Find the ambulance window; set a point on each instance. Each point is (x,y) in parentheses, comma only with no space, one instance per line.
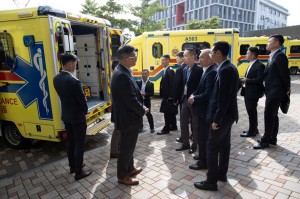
(157,50)
(244,49)
(115,43)
(196,46)
(7,53)
(295,49)
(262,49)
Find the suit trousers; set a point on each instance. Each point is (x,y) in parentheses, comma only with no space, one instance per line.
(185,119)
(76,137)
(218,151)
(115,140)
(271,119)
(128,141)
(202,134)
(251,107)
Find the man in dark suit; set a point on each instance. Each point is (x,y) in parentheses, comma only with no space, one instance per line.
(277,85)
(222,112)
(74,108)
(128,111)
(199,101)
(147,90)
(252,89)
(167,94)
(178,89)
(191,76)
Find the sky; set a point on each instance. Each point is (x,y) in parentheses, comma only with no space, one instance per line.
(75,6)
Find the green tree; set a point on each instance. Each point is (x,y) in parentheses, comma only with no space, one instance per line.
(145,12)
(211,23)
(90,7)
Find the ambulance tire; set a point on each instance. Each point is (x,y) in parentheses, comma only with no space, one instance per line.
(293,70)
(13,137)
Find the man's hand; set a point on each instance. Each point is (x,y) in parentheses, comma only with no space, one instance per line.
(243,80)
(215,126)
(191,99)
(146,111)
(143,94)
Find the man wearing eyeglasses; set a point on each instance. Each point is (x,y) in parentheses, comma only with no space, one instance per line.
(128,111)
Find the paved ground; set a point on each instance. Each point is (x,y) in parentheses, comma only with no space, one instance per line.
(270,173)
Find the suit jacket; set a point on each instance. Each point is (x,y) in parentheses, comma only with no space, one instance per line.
(149,91)
(167,84)
(178,89)
(73,101)
(254,87)
(126,98)
(277,77)
(223,100)
(193,81)
(203,92)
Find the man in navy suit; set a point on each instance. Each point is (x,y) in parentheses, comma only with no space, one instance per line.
(166,92)
(147,90)
(128,111)
(191,76)
(74,108)
(252,89)
(199,101)
(222,112)
(277,86)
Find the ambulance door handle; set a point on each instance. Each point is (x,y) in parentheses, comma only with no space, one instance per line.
(151,67)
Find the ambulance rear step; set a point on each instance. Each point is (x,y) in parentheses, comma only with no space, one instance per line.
(97,126)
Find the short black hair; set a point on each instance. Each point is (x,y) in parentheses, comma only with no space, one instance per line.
(254,50)
(146,70)
(191,51)
(114,64)
(67,57)
(166,56)
(278,38)
(180,54)
(222,46)
(125,50)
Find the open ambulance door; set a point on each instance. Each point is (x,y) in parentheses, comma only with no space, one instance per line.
(156,47)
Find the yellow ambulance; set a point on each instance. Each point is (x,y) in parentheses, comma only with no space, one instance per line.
(31,41)
(290,47)
(152,45)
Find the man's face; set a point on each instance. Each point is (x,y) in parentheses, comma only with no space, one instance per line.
(249,55)
(272,44)
(204,59)
(165,61)
(179,60)
(188,58)
(214,55)
(72,66)
(145,75)
(131,59)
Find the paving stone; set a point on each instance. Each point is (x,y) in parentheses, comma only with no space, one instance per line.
(256,184)
(292,186)
(269,175)
(50,195)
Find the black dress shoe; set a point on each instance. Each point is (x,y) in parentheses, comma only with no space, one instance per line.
(163,132)
(256,132)
(196,157)
(179,139)
(273,142)
(72,170)
(82,174)
(173,128)
(203,185)
(197,167)
(248,134)
(152,130)
(222,178)
(261,145)
(183,147)
(114,156)
(192,150)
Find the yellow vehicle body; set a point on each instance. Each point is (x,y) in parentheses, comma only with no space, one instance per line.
(290,47)
(152,45)
(31,41)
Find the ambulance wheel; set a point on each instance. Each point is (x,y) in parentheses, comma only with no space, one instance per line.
(293,70)
(13,137)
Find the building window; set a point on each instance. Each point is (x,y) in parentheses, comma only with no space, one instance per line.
(244,49)
(157,50)
(7,53)
(196,46)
